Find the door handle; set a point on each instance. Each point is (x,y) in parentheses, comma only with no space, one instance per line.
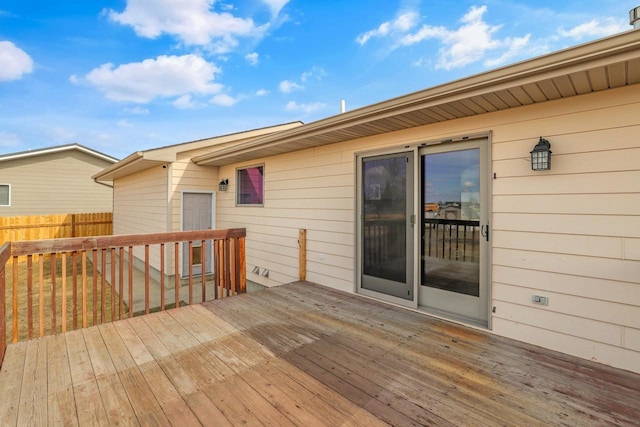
(484,231)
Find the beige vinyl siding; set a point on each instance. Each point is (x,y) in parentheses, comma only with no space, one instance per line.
(566,234)
(571,234)
(187,176)
(303,190)
(55,183)
(140,207)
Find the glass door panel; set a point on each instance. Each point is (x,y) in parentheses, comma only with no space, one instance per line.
(453,247)
(386,230)
(451,231)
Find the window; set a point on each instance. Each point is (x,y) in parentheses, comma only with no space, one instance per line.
(250,188)
(5,195)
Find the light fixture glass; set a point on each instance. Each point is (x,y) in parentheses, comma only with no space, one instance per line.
(541,156)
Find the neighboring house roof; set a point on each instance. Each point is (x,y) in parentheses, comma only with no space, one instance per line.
(142,160)
(57,149)
(608,63)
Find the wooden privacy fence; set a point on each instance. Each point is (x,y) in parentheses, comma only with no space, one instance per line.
(40,227)
(77,282)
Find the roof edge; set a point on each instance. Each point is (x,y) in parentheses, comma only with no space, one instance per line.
(132,158)
(57,149)
(558,60)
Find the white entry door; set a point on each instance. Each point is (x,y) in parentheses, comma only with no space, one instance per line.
(197,214)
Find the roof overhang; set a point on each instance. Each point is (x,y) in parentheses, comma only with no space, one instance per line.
(143,160)
(604,64)
(136,162)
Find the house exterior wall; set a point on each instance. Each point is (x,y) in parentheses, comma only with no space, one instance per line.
(140,207)
(55,183)
(571,234)
(187,176)
(151,201)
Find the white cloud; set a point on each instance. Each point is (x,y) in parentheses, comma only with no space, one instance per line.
(317,73)
(403,23)
(9,140)
(165,76)
(514,47)
(139,111)
(594,29)
(468,43)
(275,5)
(473,40)
(124,123)
(307,108)
(224,100)
(252,58)
(262,92)
(15,62)
(287,86)
(191,21)
(185,102)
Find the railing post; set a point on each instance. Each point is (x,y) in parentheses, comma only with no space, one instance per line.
(302,258)
(5,252)
(242,264)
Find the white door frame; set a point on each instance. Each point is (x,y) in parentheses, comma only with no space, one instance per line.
(213,225)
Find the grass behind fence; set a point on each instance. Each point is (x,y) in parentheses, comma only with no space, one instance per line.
(94,295)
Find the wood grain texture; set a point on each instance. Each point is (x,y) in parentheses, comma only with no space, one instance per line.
(302,355)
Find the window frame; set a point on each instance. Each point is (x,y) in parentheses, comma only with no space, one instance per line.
(238,186)
(9,195)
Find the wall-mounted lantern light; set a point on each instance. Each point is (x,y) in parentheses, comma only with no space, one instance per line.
(222,186)
(541,156)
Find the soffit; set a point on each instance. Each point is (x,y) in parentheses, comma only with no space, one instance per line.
(133,164)
(606,64)
(142,160)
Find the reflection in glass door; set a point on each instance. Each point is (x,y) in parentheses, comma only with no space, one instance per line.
(386,230)
(453,227)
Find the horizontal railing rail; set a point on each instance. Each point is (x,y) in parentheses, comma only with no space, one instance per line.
(60,284)
(454,239)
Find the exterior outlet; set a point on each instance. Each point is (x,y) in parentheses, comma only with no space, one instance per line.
(537,299)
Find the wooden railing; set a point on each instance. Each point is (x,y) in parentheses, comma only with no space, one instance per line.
(72,283)
(453,239)
(5,254)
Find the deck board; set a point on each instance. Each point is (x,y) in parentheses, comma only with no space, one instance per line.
(305,355)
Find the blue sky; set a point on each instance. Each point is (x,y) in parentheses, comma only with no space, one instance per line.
(127,75)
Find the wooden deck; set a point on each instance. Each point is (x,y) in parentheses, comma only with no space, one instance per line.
(302,354)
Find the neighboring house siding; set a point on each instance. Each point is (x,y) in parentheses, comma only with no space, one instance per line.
(571,234)
(55,183)
(140,207)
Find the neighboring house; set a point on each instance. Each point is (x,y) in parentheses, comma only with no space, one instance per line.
(549,257)
(54,180)
(161,190)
